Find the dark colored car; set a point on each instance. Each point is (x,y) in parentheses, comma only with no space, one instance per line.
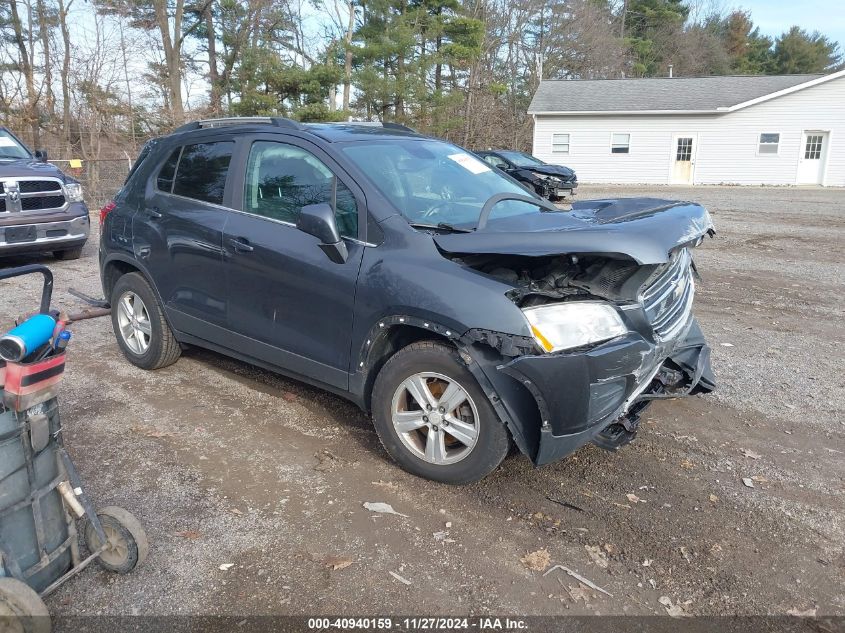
(41,209)
(548,181)
(406,275)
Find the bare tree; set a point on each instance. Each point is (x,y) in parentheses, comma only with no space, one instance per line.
(23,39)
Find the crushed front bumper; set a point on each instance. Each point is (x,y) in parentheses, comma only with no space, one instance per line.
(560,189)
(580,394)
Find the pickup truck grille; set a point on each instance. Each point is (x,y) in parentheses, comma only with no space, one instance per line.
(41,194)
(667,299)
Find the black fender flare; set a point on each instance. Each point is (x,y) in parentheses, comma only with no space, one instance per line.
(118,257)
(471,352)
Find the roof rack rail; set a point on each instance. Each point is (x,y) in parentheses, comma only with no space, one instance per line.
(396,126)
(238,120)
(388,125)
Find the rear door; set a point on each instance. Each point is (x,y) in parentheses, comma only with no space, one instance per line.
(178,234)
(290,305)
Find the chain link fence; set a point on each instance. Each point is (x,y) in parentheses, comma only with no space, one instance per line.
(101,179)
(112,155)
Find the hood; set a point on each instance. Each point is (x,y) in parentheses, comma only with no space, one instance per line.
(549,170)
(644,229)
(29,167)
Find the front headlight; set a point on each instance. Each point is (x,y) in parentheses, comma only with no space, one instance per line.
(73,192)
(560,326)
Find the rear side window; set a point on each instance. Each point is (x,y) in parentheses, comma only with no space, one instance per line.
(164,182)
(202,171)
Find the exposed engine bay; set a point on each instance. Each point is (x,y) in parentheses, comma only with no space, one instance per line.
(538,280)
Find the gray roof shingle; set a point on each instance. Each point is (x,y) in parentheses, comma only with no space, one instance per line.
(657,93)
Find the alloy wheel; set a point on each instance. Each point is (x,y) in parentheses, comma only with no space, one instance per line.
(134,322)
(435,418)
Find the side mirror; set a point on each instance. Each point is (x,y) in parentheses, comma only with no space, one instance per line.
(41,154)
(318,220)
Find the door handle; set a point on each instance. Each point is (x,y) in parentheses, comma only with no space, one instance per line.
(241,246)
(154,213)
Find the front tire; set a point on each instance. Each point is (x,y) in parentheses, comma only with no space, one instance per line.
(433,418)
(139,325)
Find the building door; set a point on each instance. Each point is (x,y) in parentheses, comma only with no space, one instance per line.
(811,160)
(683,159)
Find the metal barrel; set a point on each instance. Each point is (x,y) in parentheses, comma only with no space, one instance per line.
(33,523)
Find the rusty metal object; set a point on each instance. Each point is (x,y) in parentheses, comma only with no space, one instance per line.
(88,313)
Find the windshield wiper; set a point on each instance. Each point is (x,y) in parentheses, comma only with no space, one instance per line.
(442,226)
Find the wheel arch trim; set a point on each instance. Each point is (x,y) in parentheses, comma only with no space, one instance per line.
(145,273)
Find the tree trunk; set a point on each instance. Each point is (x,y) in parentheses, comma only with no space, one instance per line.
(624,17)
(26,70)
(172,44)
(438,43)
(400,88)
(63,11)
(347,66)
(438,67)
(213,77)
(128,85)
(44,33)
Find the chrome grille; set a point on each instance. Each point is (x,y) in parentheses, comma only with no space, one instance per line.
(31,194)
(667,299)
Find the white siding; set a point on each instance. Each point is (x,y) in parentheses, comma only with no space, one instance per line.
(726,150)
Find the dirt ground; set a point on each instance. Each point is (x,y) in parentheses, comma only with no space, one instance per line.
(228,464)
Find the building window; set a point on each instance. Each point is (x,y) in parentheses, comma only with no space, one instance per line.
(620,143)
(769,143)
(813,147)
(560,143)
(684,151)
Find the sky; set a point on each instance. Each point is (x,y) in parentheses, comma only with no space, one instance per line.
(776,16)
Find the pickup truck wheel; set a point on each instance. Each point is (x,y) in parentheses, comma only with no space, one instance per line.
(139,324)
(433,418)
(71,253)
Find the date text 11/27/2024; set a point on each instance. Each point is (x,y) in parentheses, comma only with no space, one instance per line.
(485,623)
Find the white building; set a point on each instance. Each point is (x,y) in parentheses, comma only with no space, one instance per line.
(774,130)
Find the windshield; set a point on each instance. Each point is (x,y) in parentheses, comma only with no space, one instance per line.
(10,148)
(521,159)
(432,182)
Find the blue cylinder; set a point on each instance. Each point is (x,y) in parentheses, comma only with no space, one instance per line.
(21,341)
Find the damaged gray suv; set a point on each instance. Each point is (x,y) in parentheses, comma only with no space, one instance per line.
(406,275)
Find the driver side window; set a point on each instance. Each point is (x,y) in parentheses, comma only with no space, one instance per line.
(496,161)
(281,179)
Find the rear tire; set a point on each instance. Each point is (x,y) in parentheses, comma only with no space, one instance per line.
(139,325)
(480,441)
(21,608)
(69,254)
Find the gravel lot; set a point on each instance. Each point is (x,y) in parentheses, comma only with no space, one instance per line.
(225,463)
